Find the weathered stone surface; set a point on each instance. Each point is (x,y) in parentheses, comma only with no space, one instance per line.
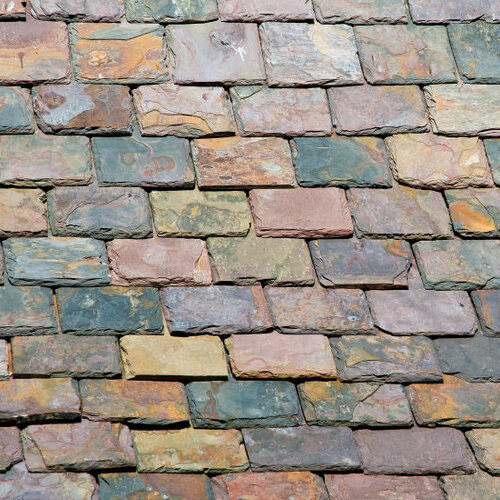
(341,161)
(310,54)
(134,401)
(422,312)
(34,51)
(171,11)
(80,10)
(66,356)
(24,400)
(159,262)
(301,212)
(273,355)
(169,109)
(475,212)
(200,214)
(317,310)
(79,446)
(487,303)
(243,162)
(459,265)
(266,111)
(216,309)
(113,310)
(414,451)
(378,110)
(43,160)
(143,161)
(190,450)
(493,151)
(456,402)
(4,360)
(22,212)
(486,446)
(118,53)
(215,53)
(353,262)
(464,109)
(430,11)
(195,357)
(15,111)
(245,261)
(10,444)
(12,9)
(83,108)
(234,404)
(366,12)
(262,10)
(299,448)
(383,357)
(476,487)
(336,403)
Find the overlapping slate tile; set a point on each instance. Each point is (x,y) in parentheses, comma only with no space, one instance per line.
(10,444)
(486,445)
(366,12)
(367,404)
(430,12)
(215,309)
(12,9)
(15,111)
(487,303)
(215,52)
(22,212)
(479,485)
(80,10)
(261,10)
(4,360)
(309,54)
(171,11)
(493,151)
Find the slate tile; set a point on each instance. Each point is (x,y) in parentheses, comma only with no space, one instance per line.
(79,446)
(321,55)
(10,443)
(12,9)
(171,11)
(367,12)
(22,212)
(479,485)
(456,403)
(4,360)
(111,310)
(233,162)
(16,116)
(367,404)
(430,11)
(487,304)
(378,110)
(260,10)
(414,451)
(485,444)
(78,10)
(215,309)
(215,53)
(66,356)
(298,448)
(493,151)
(232,404)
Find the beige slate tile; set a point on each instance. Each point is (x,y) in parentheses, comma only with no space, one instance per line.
(486,446)
(4,360)
(479,485)
(22,212)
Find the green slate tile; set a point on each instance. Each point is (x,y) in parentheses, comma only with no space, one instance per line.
(16,116)
(493,151)
(171,10)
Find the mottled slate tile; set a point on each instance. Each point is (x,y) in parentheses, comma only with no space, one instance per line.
(487,304)
(215,52)
(477,486)
(486,445)
(430,11)
(16,115)
(22,212)
(12,9)
(215,309)
(367,404)
(309,54)
(366,12)
(4,360)
(171,11)
(10,444)
(492,147)
(78,10)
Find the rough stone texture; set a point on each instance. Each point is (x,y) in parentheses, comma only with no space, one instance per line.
(81,10)
(234,404)
(341,161)
(458,265)
(65,356)
(24,400)
(487,303)
(301,212)
(83,109)
(422,312)
(216,309)
(33,52)
(356,263)
(4,360)
(134,401)
(296,448)
(79,446)
(266,111)
(109,310)
(390,359)
(15,111)
(118,53)
(317,310)
(366,12)
(159,262)
(10,444)
(262,10)
(464,109)
(336,403)
(273,355)
(243,162)
(437,162)
(414,451)
(22,212)
(12,9)
(486,446)
(476,487)
(190,450)
(169,109)
(493,151)
(171,11)
(475,212)
(430,11)
(42,160)
(215,53)
(378,110)
(400,212)
(456,402)
(143,161)
(200,214)
(309,54)
(170,357)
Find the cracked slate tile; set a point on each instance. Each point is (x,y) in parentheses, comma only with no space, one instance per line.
(78,10)
(366,12)
(171,11)
(16,115)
